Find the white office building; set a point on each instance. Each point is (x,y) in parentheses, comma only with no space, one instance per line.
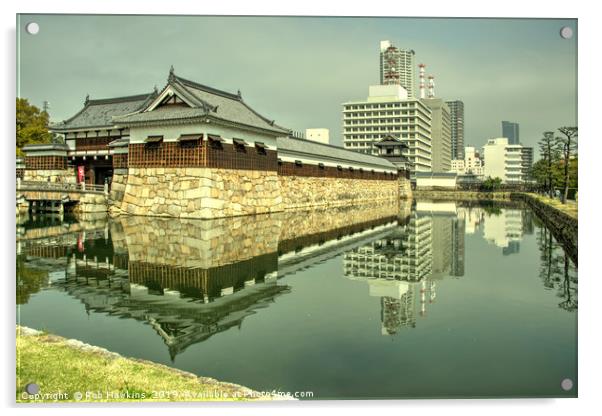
(503,160)
(318,135)
(389,110)
(472,164)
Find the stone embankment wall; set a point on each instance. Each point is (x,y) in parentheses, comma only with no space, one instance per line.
(117,192)
(306,192)
(405,188)
(55,175)
(207,193)
(91,204)
(563,227)
(199,192)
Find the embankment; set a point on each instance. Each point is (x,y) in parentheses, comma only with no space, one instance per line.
(68,370)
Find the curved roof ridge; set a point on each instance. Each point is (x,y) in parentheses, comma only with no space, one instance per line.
(350,155)
(199,101)
(334,146)
(126,98)
(206,88)
(267,120)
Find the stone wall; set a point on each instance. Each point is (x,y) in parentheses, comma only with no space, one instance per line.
(200,192)
(118,184)
(563,226)
(405,187)
(306,192)
(55,175)
(91,204)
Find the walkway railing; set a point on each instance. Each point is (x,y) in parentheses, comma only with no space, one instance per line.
(61,187)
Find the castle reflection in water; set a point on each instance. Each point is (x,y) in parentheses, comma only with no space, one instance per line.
(192,279)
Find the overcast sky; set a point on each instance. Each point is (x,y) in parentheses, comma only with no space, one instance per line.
(299,71)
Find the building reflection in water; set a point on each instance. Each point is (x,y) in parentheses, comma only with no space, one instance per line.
(403,267)
(192,279)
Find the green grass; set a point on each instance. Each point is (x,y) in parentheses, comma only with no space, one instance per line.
(57,367)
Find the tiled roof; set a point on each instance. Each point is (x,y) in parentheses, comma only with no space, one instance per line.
(204,101)
(310,148)
(435,174)
(100,113)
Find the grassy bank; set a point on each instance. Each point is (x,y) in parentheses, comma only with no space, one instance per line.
(64,369)
(570,208)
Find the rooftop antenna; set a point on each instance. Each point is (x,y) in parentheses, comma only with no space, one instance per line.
(431,87)
(422,84)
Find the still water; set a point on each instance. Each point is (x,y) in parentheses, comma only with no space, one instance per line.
(426,300)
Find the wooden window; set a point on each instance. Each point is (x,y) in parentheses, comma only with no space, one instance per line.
(261,148)
(215,142)
(240,145)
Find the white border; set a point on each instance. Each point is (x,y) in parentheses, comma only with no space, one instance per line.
(590,148)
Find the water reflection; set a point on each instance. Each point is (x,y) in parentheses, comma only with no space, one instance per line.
(190,280)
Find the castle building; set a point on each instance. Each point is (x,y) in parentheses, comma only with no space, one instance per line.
(194,151)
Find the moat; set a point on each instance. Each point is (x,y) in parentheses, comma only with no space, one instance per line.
(432,299)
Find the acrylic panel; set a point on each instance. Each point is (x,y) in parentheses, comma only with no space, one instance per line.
(306,208)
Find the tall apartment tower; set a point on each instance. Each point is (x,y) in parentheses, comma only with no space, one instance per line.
(456,116)
(510,131)
(397,67)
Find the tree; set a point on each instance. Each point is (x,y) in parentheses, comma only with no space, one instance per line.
(567,145)
(549,155)
(32,125)
(492,184)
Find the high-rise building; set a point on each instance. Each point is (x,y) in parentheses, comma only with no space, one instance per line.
(397,67)
(456,118)
(389,111)
(440,134)
(527,159)
(510,131)
(503,160)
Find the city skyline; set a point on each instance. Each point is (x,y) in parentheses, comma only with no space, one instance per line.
(302,76)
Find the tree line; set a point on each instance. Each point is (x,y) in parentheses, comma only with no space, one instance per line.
(557,168)
(32,125)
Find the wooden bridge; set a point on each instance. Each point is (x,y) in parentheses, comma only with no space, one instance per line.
(56,197)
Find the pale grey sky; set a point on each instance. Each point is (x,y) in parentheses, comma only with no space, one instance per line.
(300,70)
